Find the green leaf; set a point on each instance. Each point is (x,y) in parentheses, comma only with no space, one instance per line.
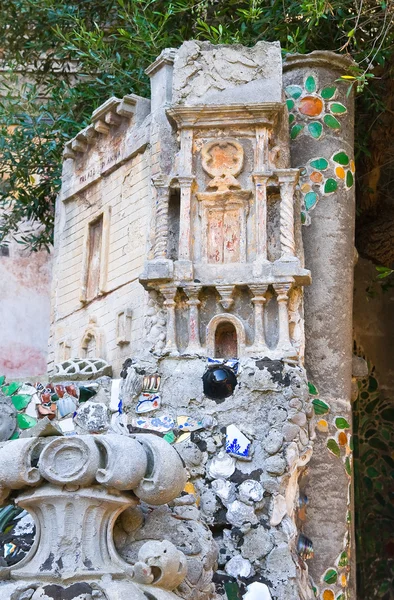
(330,186)
(310,84)
(341,423)
(320,164)
(341,158)
(294,91)
(337,108)
(328,92)
(321,408)
(315,129)
(2,379)
(310,200)
(330,576)
(343,560)
(295,130)
(348,467)
(312,389)
(332,445)
(331,122)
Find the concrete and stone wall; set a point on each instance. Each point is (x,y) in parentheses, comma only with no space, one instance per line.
(24,311)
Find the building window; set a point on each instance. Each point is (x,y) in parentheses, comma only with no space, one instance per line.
(95,258)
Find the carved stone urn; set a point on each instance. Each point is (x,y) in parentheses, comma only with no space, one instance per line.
(75,488)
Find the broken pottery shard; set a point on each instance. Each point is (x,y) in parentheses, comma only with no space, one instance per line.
(115,388)
(66,406)
(148,402)
(237,444)
(257,591)
(67,426)
(188,424)
(238,567)
(119,424)
(162,424)
(221,466)
(92,417)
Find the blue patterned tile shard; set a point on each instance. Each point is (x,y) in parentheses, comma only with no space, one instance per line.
(237,444)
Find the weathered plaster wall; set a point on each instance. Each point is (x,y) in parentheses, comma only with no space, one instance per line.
(24,312)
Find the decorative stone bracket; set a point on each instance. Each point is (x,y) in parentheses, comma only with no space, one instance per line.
(75,488)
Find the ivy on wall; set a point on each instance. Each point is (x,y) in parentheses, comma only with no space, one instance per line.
(373,422)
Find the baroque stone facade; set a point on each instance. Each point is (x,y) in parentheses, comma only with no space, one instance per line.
(179,270)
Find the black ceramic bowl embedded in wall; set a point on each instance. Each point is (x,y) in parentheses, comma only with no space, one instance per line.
(219,382)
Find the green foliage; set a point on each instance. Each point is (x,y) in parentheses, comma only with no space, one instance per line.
(64,58)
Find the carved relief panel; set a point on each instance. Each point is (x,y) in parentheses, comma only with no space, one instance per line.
(224,207)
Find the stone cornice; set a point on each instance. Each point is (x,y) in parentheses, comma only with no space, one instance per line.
(226,114)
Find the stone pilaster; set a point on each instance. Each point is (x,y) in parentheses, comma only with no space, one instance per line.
(259,300)
(284,347)
(194,344)
(169,302)
(161,230)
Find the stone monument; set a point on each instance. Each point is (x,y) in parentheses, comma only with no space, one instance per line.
(180,271)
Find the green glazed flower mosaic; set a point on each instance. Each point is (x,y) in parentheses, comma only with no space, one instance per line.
(312,111)
(373,422)
(322,177)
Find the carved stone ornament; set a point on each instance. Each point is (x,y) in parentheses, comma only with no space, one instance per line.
(75,488)
(82,368)
(223,160)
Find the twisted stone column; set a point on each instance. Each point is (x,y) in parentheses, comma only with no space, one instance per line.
(287,179)
(185,183)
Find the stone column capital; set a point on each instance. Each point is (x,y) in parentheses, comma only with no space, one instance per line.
(289,176)
(160,181)
(258,290)
(185,181)
(169,293)
(282,290)
(192,292)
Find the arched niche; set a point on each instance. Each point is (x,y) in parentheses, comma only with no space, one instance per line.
(224,332)
(92,343)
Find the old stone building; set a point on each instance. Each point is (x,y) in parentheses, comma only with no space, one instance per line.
(180,268)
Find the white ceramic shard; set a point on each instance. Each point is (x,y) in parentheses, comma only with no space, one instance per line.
(163,423)
(147,402)
(257,591)
(237,444)
(251,491)
(115,388)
